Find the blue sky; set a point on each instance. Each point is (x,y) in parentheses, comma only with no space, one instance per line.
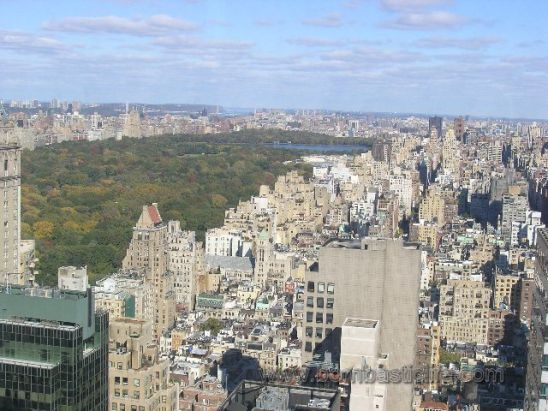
(476,57)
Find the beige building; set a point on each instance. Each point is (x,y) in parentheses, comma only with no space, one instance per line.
(507,290)
(138,379)
(464,311)
(10,216)
(148,251)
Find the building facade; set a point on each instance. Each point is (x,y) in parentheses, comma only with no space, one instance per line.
(53,352)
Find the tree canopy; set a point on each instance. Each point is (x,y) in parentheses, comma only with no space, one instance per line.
(80,200)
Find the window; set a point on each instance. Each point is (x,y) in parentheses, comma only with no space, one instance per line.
(319,318)
(114,406)
(133,408)
(122,407)
(321,287)
(5,165)
(309,331)
(137,382)
(330,302)
(319,332)
(124,381)
(310,301)
(309,316)
(116,380)
(319,302)
(136,395)
(310,287)
(330,288)
(116,392)
(329,318)
(308,346)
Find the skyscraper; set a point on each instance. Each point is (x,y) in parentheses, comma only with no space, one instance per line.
(147,252)
(53,350)
(435,123)
(377,280)
(10,217)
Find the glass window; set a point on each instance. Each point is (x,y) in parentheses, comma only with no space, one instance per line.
(117,392)
(137,382)
(114,406)
(310,301)
(330,288)
(321,287)
(319,302)
(319,332)
(319,318)
(310,287)
(329,318)
(308,346)
(330,302)
(116,380)
(309,316)
(124,381)
(309,331)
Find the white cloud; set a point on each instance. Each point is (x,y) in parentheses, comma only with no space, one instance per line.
(151,26)
(330,21)
(19,41)
(471,43)
(427,20)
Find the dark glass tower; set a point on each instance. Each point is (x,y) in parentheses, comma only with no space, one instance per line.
(53,351)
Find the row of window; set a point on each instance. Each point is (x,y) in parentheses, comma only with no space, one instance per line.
(319,332)
(124,381)
(321,287)
(319,318)
(320,302)
(122,407)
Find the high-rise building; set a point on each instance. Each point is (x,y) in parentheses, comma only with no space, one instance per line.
(435,123)
(10,217)
(53,350)
(147,251)
(459,126)
(536,381)
(375,279)
(138,379)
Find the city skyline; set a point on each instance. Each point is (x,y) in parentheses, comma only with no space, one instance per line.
(415,56)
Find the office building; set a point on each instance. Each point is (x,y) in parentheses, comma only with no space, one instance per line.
(377,279)
(435,124)
(53,350)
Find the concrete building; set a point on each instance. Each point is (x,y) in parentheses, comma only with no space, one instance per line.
(56,340)
(361,351)
(138,379)
(536,382)
(375,278)
(72,278)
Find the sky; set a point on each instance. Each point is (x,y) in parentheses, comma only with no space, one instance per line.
(455,57)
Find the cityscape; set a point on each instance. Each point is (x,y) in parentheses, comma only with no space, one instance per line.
(234,248)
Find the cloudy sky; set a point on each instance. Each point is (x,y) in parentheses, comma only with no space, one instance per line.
(476,57)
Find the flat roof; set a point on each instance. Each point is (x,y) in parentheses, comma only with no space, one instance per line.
(360,322)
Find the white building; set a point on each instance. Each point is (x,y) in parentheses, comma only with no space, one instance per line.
(72,278)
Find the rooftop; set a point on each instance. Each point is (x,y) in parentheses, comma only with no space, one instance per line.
(360,322)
